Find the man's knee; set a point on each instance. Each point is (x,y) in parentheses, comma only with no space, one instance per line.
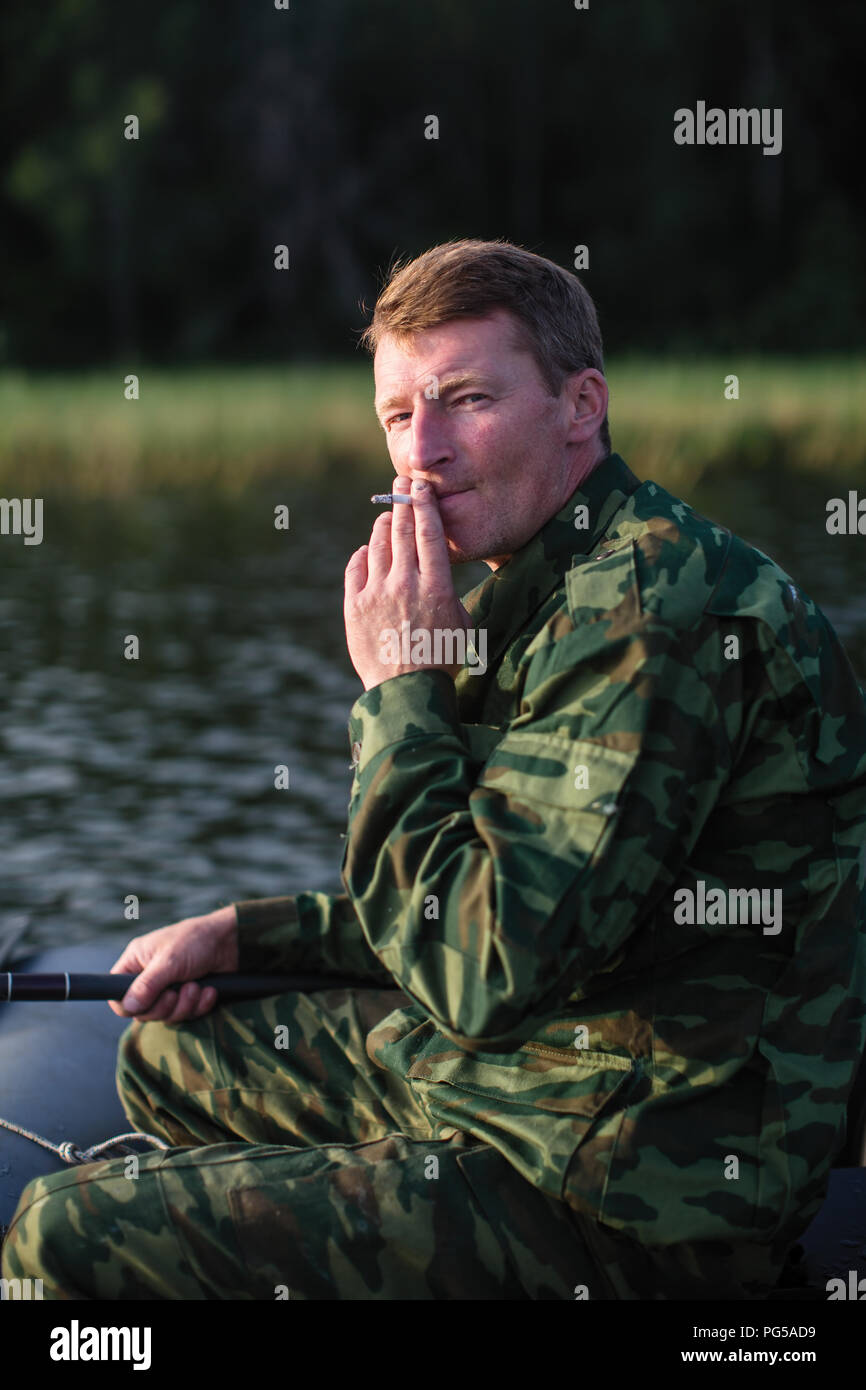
(44,1234)
(19,1243)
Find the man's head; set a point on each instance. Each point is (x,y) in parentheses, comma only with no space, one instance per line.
(489,384)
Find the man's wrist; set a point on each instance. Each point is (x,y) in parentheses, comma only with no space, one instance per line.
(223,923)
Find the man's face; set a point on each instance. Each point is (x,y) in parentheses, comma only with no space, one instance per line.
(469,413)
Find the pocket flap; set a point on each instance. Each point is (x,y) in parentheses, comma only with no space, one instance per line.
(527,1078)
(573,774)
(536,1111)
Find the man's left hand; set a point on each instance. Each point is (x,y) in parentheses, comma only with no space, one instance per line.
(402,575)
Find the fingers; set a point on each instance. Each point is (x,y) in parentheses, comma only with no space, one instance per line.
(167,963)
(391,545)
(429,536)
(172,1005)
(142,996)
(157,1008)
(356,573)
(192,1002)
(403,555)
(163,1006)
(370,564)
(149,997)
(379,548)
(209,998)
(128,963)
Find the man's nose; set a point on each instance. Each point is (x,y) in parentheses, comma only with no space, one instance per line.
(429,441)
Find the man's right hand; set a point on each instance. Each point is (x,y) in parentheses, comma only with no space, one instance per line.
(183,951)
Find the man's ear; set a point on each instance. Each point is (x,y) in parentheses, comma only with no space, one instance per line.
(588,396)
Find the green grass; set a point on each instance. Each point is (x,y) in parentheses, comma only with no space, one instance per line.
(227,428)
(671,421)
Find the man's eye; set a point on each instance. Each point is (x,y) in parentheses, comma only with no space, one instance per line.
(458,400)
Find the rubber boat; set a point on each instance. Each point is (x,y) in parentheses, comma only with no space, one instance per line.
(57,1065)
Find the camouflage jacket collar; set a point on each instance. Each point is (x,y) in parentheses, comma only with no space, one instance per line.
(506,601)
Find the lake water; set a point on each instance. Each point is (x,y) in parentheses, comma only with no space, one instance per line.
(155,777)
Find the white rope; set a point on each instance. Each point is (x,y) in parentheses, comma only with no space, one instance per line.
(69,1153)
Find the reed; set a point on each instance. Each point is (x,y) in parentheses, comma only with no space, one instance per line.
(227,428)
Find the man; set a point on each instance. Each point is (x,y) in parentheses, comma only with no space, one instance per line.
(604,898)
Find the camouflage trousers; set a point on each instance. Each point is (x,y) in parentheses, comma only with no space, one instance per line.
(299,1169)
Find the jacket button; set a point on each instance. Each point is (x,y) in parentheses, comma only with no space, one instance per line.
(356,754)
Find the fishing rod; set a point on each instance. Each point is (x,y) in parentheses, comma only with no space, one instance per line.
(20,986)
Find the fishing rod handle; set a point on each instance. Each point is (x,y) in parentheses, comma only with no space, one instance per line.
(18,987)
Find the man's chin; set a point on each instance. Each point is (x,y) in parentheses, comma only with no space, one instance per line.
(457,555)
(472,552)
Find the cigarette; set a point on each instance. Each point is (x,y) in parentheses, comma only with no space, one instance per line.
(384,498)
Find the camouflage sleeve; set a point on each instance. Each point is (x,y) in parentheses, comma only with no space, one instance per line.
(314,932)
(492,890)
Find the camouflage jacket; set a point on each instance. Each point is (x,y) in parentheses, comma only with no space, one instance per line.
(665,718)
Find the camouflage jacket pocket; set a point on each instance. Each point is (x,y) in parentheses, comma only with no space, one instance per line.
(535,1105)
(566,790)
